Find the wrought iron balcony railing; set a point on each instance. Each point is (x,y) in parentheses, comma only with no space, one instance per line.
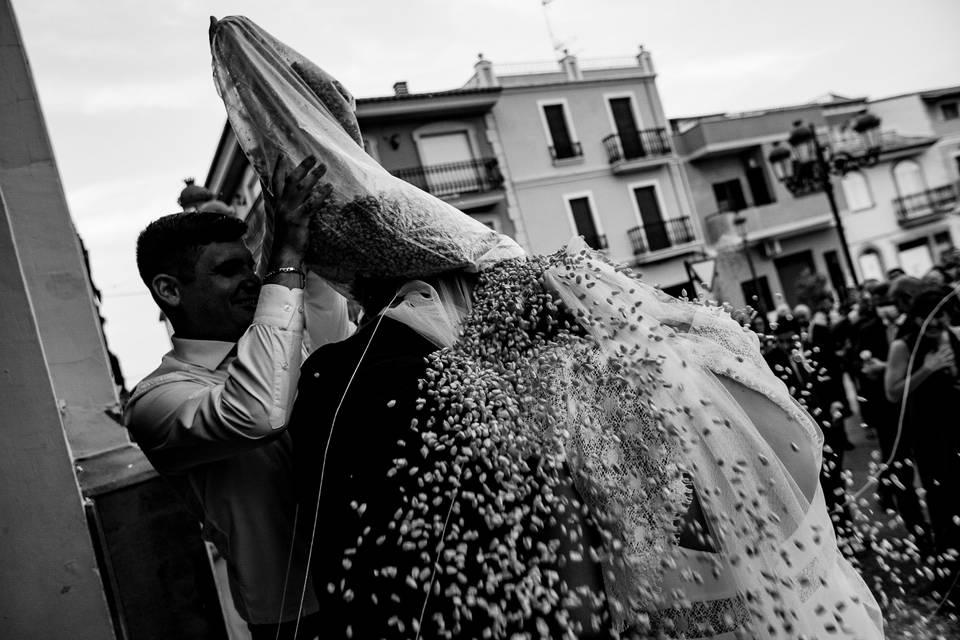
(565,152)
(925,203)
(646,143)
(661,235)
(469,176)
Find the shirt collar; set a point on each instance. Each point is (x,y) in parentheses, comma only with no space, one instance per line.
(205,353)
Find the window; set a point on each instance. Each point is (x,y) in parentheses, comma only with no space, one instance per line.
(682,290)
(908,178)
(583,221)
(447,162)
(562,140)
(856,191)
(757,181)
(949,111)
(491,222)
(729,195)
(656,230)
(370,146)
(792,270)
(871,265)
(915,257)
(625,124)
(756,293)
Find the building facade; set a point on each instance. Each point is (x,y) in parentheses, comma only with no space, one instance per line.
(900,209)
(586,151)
(780,236)
(765,238)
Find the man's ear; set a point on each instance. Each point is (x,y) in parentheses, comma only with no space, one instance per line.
(167,289)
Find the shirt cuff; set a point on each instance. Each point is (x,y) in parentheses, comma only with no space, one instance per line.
(280,307)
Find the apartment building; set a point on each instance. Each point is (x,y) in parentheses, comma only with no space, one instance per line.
(786,235)
(900,209)
(586,151)
(894,210)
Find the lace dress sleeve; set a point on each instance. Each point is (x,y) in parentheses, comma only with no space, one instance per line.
(627,468)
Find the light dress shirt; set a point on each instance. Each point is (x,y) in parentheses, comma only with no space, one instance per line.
(212,420)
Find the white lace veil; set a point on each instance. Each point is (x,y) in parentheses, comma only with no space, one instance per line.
(434,307)
(746,474)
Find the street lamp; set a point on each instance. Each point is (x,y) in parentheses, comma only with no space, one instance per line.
(741,223)
(808,166)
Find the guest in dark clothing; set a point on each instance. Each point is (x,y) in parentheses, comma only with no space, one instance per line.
(843,334)
(358,429)
(825,356)
(872,345)
(933,397)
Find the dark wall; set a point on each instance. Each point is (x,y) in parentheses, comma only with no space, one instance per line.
(159,579)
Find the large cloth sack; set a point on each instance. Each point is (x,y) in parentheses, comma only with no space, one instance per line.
(373,225)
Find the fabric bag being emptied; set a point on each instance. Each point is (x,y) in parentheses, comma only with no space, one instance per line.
(373,225)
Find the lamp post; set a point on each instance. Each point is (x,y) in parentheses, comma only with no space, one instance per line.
(808,166)
(741,223)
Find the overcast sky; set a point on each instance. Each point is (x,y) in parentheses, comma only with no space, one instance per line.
(131,107)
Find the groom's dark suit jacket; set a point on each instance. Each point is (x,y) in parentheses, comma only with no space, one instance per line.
(351,550)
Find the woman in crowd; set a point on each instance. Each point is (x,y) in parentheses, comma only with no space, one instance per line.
(870,344)
(922,373)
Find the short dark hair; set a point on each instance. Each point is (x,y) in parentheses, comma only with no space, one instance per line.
(927,300)
(172,244)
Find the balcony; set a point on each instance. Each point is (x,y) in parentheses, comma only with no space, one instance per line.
(455,179)
(565,154)
(636,151)
(923,206)
(666,234)
(893,145)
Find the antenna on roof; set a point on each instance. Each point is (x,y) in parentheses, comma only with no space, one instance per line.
(558,45)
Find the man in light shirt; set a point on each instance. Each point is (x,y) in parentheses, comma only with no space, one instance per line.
(212,417)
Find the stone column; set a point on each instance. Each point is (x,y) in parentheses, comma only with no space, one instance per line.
(50,584)
(51,260)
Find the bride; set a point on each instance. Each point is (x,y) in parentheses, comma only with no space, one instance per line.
(753,552)
(670,463)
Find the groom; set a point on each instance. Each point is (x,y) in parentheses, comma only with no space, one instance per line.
(355,415)
(212,417)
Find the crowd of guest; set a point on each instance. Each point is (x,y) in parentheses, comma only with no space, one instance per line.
(890,352)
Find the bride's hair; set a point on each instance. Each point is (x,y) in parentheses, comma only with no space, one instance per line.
(373,294)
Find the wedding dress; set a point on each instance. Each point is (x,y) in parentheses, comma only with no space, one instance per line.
(695,422)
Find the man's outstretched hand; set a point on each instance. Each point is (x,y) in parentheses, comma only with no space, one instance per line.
(292,198)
